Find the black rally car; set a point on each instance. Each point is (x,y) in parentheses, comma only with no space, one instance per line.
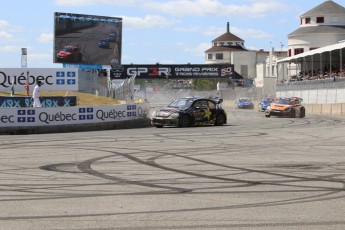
(190,111)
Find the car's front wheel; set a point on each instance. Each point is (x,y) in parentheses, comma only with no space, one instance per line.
(220,119)
(184,121)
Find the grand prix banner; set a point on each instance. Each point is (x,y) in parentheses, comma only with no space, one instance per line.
(52,79)
(174,71)
(12,117)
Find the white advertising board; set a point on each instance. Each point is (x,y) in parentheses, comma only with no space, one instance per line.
(54,79)
(13,117)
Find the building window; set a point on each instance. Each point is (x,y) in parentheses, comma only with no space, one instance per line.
(221,43)
(219,56)
(215,44)
(299,51)
(307,20)
(289,52)
(209,56)
(320,20)
(301,21)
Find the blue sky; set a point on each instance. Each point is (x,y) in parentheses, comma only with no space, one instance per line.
(168,32)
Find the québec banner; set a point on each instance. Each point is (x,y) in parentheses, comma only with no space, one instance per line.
(13,117)
(53,79)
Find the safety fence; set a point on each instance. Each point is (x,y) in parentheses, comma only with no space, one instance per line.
(327,91)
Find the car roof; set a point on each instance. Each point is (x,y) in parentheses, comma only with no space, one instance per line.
(194,98)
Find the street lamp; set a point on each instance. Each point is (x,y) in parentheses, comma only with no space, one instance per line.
(24,57)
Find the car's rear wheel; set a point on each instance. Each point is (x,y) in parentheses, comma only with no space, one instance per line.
(267,114)
(293,113)
(184,121)
(220,119)
(302,114)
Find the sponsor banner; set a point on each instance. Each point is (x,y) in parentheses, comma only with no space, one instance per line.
(82,66)
(12,117)
(52,79)
(173,71)
(53,101)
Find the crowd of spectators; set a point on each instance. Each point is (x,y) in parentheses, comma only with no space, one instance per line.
(323,74)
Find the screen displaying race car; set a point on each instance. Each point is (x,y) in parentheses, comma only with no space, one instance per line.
(190,111)
(96,39)
(69,54)
(286,107)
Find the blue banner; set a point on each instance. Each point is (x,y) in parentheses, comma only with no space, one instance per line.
(53,101)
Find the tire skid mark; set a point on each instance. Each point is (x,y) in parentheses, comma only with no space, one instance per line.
(86,167)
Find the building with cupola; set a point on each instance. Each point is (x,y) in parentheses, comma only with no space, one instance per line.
(249,64)
(229,48)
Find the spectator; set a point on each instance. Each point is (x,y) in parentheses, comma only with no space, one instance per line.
(36,95)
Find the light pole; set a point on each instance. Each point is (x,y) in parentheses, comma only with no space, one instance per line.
(24,65)
(24,57)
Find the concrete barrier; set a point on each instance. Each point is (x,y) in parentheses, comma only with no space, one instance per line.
(73,119)
(336,109)
(129,124)
(326,109)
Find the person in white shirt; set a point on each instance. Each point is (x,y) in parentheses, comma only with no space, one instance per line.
(36,95)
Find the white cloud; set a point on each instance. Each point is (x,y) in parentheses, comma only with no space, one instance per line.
(149,21)
(96,2)
(250,33)
(5,35)
(3,24)
(46,37)
(198,50)
(10,49)
(217,31)
(209,31)
(183,8)
(40,57)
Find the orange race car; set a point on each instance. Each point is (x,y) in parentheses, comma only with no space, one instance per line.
(286,107)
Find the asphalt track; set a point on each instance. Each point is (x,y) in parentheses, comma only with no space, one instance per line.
(253,173)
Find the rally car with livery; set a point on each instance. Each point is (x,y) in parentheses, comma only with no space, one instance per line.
(190,111)
(244,103)
(264,103)
(70,53)
(286,107)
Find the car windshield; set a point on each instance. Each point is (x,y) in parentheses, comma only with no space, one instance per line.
(68,49)
(284,101)
(268,100)
(182,103)
(244,100)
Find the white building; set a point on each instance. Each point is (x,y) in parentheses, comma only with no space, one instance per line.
(322,26)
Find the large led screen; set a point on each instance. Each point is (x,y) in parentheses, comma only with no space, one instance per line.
(87,39)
